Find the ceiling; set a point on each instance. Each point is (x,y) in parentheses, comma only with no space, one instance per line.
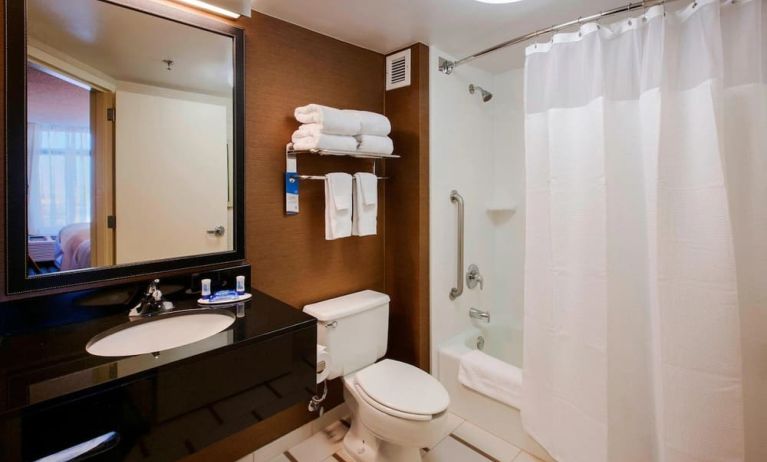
(131,46)
(457,27)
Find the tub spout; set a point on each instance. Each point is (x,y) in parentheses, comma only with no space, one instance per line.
(479,314)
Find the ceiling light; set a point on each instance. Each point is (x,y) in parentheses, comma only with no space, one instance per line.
(211,8)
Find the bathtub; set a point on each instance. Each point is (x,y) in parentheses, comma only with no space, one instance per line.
(493,416)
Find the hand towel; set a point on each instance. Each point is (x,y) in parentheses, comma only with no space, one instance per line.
(331,120)
(371,123)
(303,140)
(375,144)
(338,205)
(365,219)
(491,377)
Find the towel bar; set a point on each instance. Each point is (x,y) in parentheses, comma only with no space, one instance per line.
(292,176)
(322,178)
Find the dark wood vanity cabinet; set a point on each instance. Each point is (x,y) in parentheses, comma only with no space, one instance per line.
(266,364)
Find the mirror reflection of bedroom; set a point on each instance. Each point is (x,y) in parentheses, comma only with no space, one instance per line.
(129,138)
(64,147)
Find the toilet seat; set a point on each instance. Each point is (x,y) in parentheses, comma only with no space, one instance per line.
(401,390)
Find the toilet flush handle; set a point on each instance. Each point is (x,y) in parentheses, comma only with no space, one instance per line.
(329,324)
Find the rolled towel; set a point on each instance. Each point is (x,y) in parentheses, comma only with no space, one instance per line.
(371,123)
(375,144)
(304,141)
(332,121)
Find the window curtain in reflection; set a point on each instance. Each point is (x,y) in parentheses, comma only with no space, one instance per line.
(58,177)
(646,238)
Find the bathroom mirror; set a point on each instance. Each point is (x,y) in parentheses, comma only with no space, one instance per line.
(124,129)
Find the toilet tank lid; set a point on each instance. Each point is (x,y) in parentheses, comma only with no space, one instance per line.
(346,305)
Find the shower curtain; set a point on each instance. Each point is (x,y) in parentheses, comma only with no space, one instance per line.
(646,238)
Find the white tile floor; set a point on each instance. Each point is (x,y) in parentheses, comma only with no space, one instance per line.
(461,442)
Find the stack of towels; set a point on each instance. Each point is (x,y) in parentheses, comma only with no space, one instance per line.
(342,130)
(351,205)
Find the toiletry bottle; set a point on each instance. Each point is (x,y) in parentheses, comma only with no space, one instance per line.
(240,285)
(205,289)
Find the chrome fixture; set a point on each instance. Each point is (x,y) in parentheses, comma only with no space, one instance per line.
(151,303)
(480,315)
(218,231)
(456,292)
(486,95)
(473,277)
(447,67)
(480,343)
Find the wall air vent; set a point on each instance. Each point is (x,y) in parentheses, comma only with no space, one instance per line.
(398,70)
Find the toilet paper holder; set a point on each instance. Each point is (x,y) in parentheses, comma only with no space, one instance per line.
(316,401)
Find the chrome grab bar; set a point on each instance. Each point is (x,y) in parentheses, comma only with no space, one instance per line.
(456,292)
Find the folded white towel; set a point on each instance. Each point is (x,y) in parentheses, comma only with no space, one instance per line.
(303,140)
(365,220)
(375,144)
(491,377)
(331,120)
(371,123)
(338,205)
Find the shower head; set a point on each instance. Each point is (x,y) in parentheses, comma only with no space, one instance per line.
(486,95)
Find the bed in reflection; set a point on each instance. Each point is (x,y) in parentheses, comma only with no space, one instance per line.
(69,250)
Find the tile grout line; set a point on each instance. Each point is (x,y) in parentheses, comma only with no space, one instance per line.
(338,457)
(474,448)
(289,456)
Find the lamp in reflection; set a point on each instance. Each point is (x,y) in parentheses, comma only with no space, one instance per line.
(210,8)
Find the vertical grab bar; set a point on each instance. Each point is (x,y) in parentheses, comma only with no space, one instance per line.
(456,292)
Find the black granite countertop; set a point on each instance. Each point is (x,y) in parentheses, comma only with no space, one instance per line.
(51,362)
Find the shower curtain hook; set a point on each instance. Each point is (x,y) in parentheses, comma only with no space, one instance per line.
(628,11)
(580,32)
(644,14)
(599,19)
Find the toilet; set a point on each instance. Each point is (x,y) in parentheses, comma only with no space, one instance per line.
(397,409)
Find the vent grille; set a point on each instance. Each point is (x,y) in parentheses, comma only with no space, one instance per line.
(398,70)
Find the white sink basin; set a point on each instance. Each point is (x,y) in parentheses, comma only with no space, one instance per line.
(161,332)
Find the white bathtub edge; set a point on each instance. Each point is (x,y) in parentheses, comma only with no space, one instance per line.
(490,415)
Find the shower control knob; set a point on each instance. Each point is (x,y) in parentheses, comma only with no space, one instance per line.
(473,278)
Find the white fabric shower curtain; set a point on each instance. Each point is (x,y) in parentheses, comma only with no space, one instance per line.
(646,238)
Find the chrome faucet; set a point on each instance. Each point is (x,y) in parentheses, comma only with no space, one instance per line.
(151,303)
(479,314)
(473,277)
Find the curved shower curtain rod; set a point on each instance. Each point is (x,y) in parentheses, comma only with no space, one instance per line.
(447,67)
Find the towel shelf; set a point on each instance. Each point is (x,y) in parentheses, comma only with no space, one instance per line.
(291,170)
(329,152)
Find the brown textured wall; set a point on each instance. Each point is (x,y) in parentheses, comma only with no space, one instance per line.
(287,66)
(407,216)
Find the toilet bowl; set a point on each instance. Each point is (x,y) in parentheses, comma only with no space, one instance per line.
(397,408)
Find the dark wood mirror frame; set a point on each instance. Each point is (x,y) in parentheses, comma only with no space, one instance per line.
(16,158)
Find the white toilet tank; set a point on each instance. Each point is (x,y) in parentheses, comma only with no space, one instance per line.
(354,328)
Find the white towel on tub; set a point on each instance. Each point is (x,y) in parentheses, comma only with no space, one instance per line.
(491,377)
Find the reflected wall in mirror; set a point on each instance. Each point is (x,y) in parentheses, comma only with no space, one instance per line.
(130,134)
